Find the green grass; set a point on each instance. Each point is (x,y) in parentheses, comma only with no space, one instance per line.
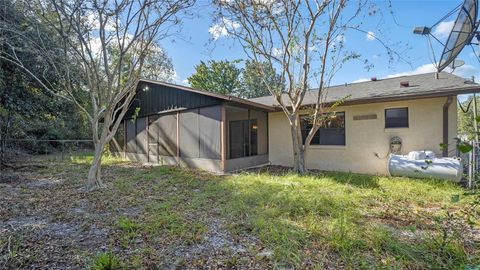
(353,216)
(106,261)
(319,220)
(357,219)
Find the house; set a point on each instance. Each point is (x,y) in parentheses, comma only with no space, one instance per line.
(172,124)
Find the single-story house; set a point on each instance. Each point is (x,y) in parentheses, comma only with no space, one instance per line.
(173,124)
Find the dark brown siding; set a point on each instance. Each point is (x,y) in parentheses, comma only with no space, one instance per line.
(161,98)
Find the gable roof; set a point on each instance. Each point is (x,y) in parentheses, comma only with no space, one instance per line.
(382,90)
(233,99)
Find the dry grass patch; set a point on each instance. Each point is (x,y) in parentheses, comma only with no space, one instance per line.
(168,217)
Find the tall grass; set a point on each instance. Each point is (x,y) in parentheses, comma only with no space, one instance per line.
(358,218)
(319,220)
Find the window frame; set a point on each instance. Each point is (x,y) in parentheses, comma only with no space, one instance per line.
(396,108)
(318,133)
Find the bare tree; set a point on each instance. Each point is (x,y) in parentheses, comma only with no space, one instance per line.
(103,47)
(304,41)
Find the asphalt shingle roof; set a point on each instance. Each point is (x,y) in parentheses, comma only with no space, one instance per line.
(420,86)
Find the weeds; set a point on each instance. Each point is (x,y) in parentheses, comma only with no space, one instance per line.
(129,229)
(9,252)
(323,220)
(333,212)
(106,261)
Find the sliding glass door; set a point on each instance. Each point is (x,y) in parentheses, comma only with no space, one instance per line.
(243,138)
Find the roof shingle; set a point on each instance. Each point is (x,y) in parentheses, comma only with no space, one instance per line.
(420,86)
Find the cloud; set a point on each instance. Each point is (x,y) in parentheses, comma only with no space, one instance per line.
(443,29)
(361,80)
(463,71)
(94,21)
(277,52)
(223,28)
(370,36)
(95,46)
(427,68)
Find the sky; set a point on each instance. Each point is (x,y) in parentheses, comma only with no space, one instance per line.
(195,43)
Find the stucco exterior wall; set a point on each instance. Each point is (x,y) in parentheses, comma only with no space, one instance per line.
(365,138)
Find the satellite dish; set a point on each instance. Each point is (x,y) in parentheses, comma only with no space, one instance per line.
(464,29)
(456,63)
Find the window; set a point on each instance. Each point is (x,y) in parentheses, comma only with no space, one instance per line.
(243,138)
(332,132)
(396,118)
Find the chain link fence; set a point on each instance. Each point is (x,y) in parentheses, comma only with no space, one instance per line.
(473,165)
(30,150)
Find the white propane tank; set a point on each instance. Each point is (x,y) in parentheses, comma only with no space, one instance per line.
(430,155)
(416,155)
(410,166)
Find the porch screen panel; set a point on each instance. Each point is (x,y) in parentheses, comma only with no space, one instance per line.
(153,135)
(189,134)
(209,130)
(131,135)
(167,135)
(119,138)
(142,136)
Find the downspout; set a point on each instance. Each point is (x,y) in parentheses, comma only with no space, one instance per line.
(445,125)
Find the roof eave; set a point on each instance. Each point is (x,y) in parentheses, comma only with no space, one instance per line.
(442,93)
(379,99)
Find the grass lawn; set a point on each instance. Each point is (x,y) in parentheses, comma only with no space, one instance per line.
(167,217)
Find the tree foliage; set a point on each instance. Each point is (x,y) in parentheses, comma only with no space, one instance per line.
(225,77)
(222,77)
(257,77)
(103,47)
(466,119)
(158,65)
(27,110)
(304,41)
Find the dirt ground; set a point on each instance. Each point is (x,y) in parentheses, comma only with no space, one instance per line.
(48,221)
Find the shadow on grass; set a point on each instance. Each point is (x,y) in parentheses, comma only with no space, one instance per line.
(357,180)
(300,217)
(316,219)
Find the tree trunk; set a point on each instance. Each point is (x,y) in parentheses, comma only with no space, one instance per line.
(94,174)
(298,149)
